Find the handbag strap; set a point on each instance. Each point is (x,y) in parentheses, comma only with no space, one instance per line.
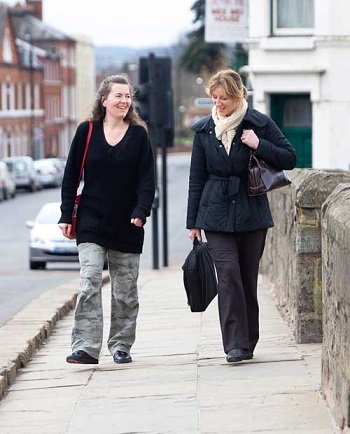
(253,160)
(88,137)
(250,158)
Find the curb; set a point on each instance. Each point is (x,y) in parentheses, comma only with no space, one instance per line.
(23,335)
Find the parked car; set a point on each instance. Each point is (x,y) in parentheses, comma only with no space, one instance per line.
(50,171)
(46,242)
(2,188)
(24,172)
(7,182)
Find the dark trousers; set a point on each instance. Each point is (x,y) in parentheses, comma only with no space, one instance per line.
(236,257)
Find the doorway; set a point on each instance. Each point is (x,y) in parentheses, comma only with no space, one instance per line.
(293,115)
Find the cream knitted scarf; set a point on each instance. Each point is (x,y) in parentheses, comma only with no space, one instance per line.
(225,126)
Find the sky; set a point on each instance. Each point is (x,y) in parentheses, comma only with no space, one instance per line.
(132,23)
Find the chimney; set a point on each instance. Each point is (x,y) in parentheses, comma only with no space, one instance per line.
(35,7)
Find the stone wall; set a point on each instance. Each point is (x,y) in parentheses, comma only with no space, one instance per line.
(336,303)
(292,260)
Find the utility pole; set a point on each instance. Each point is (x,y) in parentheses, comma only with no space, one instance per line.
(31,95)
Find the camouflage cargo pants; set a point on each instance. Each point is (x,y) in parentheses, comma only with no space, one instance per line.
(87,332)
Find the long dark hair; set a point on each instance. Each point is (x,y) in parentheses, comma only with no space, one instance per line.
(98,111)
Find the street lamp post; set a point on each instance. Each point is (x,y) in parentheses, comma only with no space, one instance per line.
(32,106)
(182,110)
(31,95)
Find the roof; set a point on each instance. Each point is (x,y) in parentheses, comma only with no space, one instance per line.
(3,14)
(28,27)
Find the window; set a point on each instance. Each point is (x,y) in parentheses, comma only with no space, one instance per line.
(293,17)
(297,112)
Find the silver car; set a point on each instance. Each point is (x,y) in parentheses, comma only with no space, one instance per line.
(24,172)
(50,171)
(46,242)
(7,182)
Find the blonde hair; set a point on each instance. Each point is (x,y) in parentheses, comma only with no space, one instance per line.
(231,83)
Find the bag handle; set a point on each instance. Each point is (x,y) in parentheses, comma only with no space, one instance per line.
(196,243)
(250,159)
(253,158)
(88,137)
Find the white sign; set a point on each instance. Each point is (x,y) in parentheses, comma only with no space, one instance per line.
(226,21)
(203,102)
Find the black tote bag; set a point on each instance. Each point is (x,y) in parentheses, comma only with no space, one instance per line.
(199,277)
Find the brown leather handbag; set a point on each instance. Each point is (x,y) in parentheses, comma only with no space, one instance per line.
(263,178)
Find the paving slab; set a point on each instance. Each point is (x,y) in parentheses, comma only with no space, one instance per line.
(179,381)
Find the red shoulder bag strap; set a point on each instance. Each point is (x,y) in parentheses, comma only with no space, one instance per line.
(85,152)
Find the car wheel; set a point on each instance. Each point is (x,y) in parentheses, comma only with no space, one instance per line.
(35,265)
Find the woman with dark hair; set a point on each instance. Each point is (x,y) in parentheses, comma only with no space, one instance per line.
(235,224)
(116,200)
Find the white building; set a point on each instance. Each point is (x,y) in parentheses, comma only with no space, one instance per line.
(299,69)
(86,76)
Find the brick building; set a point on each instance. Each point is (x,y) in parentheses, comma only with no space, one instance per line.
(37,84)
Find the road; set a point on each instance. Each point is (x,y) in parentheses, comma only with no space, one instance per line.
(19,285)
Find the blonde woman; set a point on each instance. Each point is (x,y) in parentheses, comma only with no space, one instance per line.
(235,224)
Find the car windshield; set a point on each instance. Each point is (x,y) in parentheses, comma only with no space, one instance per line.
(20,166)
(48,215)
(9,165)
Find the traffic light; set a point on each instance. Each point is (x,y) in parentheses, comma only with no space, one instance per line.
(142,101)
(161,97)
(155,105)
(143,91)
(154,95)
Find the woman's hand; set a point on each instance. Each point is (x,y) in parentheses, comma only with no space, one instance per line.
(250,139)
(137,222)
(66,229)
(195,233)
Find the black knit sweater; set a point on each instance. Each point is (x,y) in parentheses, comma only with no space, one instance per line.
(119,185)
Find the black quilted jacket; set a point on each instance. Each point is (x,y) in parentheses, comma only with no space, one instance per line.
(218,197)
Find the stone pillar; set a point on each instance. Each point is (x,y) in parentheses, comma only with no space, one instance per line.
(336,303)
(292,258)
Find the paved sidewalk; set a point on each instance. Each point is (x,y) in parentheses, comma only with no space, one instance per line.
(179,381)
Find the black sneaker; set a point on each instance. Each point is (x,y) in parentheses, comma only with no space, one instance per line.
(81,357)
(122,357)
